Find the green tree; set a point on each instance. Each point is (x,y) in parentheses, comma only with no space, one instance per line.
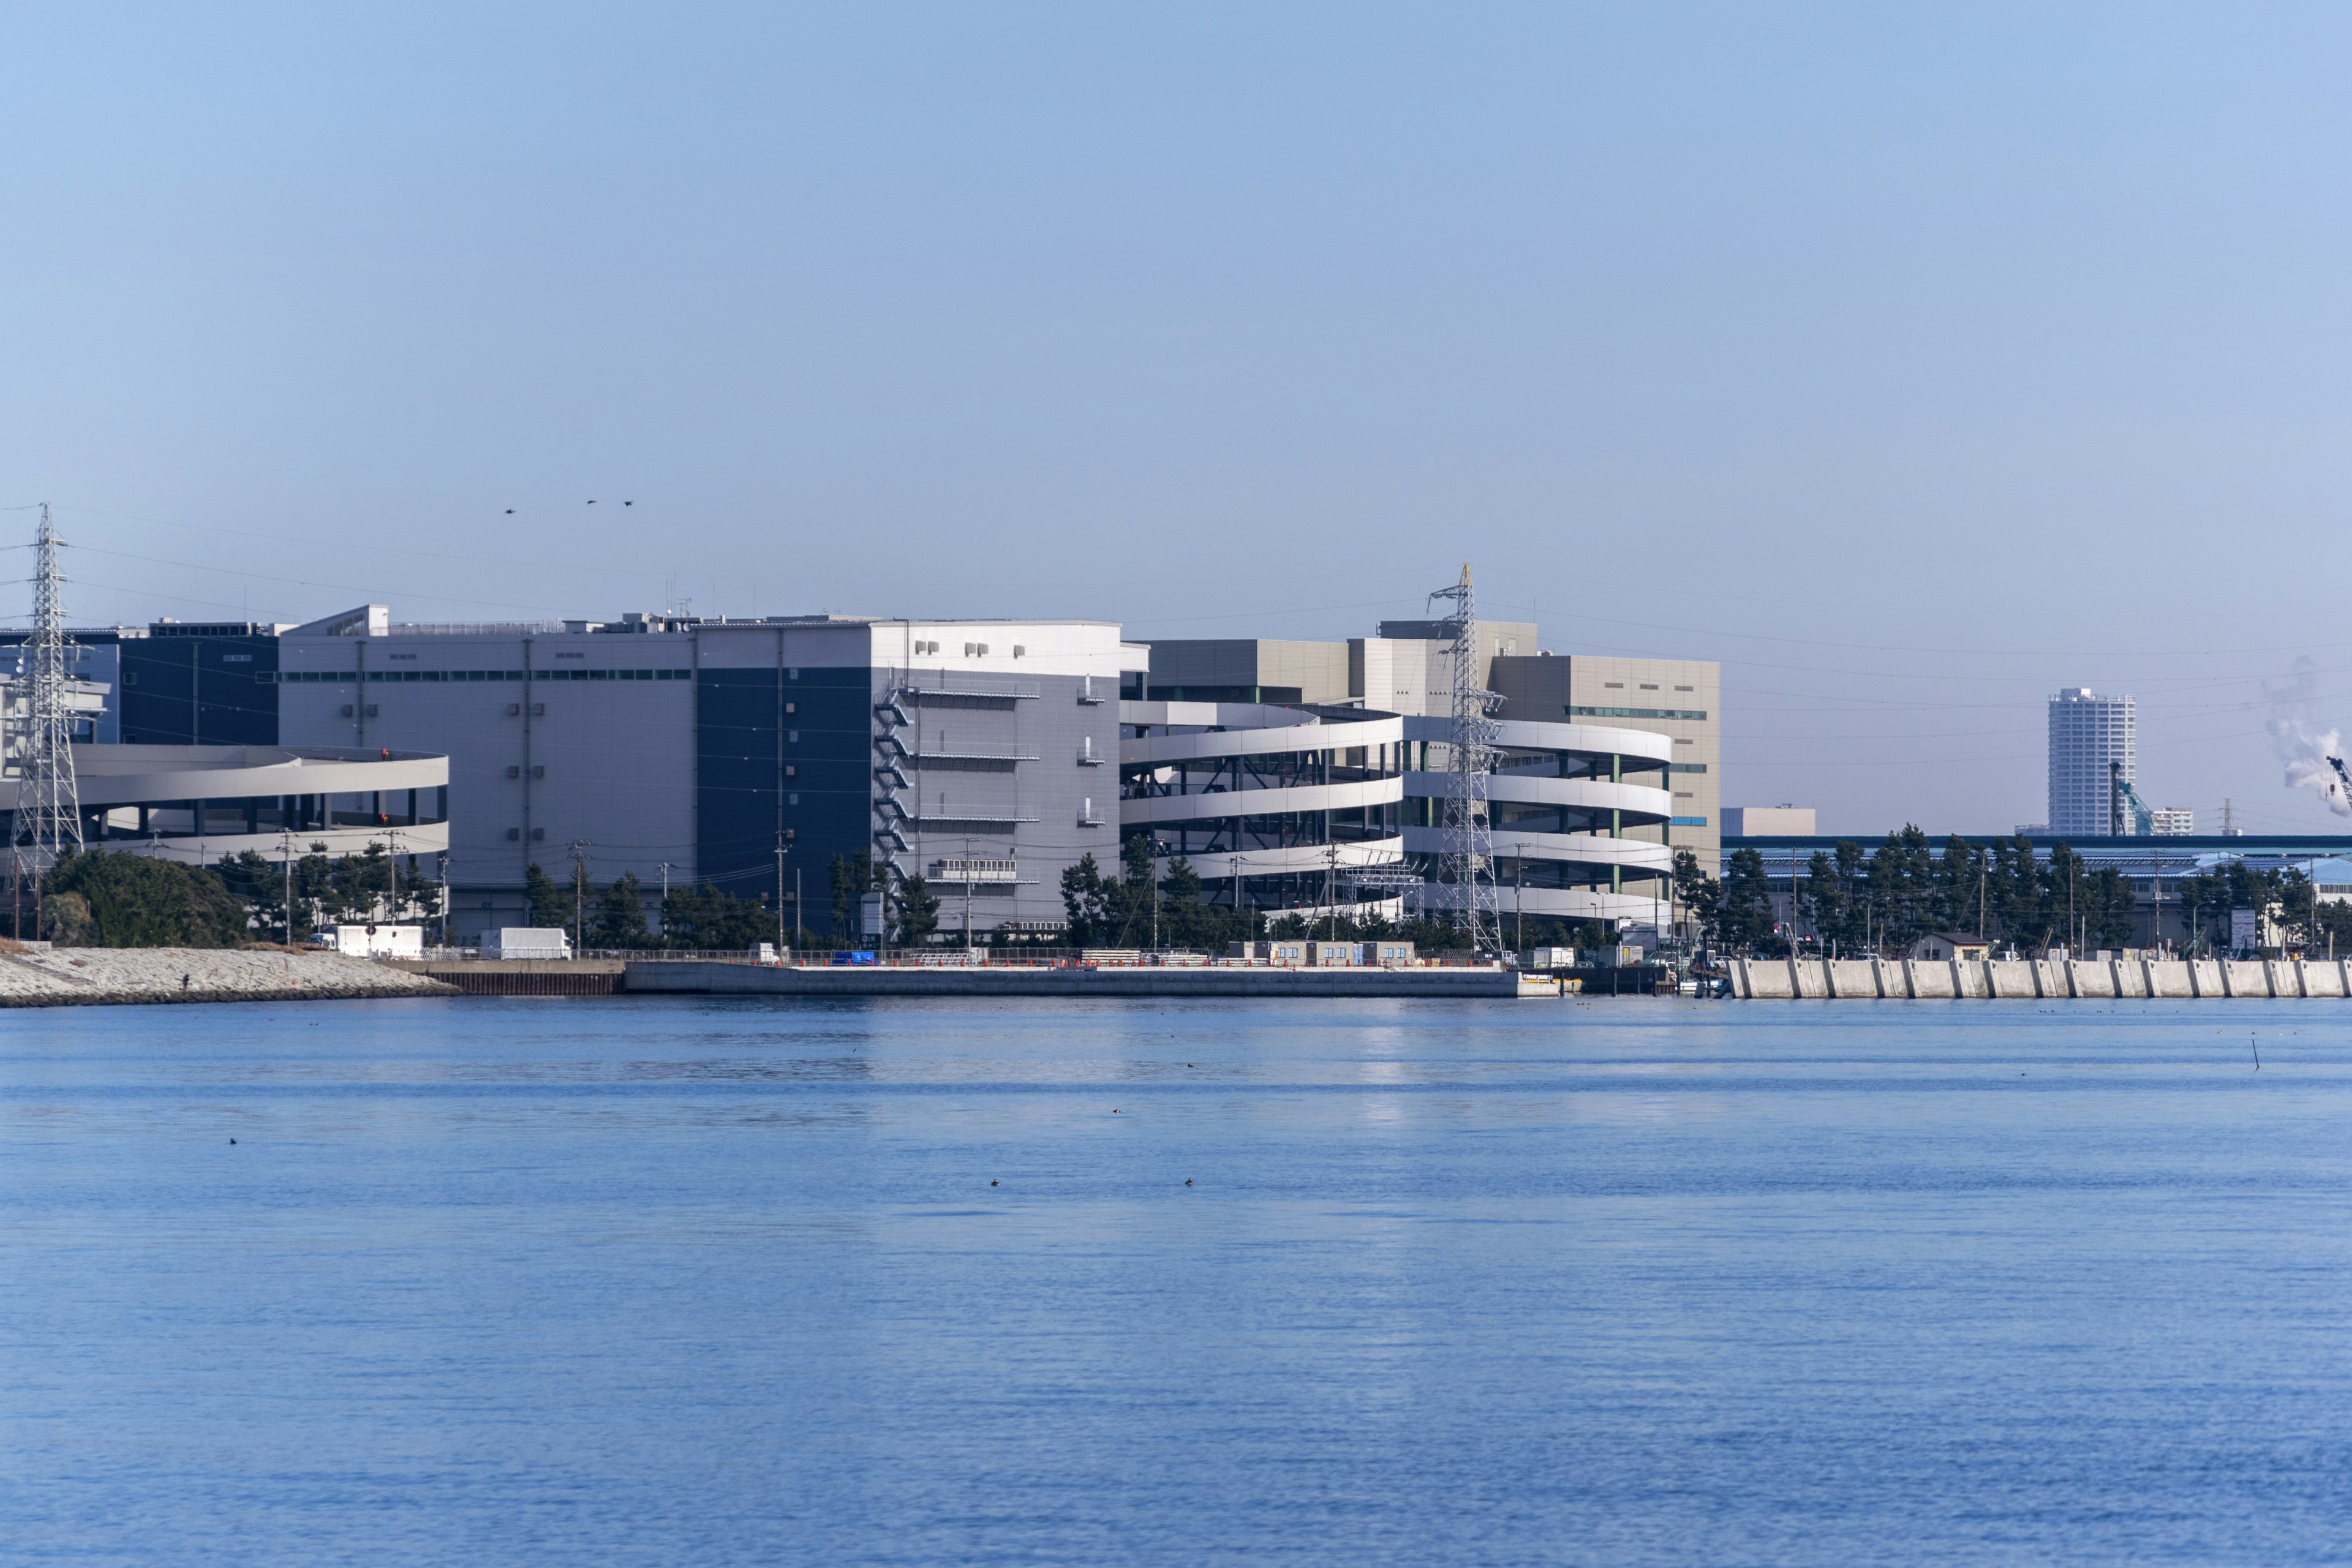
(67,920)
(1961,897)
(2111,918)
(704,919)
(1746,915)
(1137,896)
(550,906)
(852,876)
(1087,903)
(620,915)
(1836,896)
(2018,892)
(2199,896)
(1189,919)
(261,886)
(919,911)
(1901,891)
(2298,905)
(135,901)
(1701,894)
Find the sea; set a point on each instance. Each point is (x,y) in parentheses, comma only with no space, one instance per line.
(839,1282)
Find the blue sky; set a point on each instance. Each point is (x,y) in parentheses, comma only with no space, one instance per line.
(1912,362)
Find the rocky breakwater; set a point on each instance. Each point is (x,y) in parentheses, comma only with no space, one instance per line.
(88,976)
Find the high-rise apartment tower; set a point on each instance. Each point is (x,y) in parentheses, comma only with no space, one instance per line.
(2087,733)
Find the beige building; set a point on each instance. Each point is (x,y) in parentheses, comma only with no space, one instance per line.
(1679,698)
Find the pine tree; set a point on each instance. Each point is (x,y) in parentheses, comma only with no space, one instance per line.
(1086,902)
(620,915)
(550,906)
(919,911)
(1746,915)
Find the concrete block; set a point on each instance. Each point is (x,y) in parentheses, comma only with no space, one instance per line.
(1929,979)
(2284,979)
(1810,977)
(2127,977)
(1765,978)
(2322,977)
(2167,978)
(2091,977)
(1893,980)
(2205,978)
(1852,977)
(1971,978)
(2245,977)
(2049,978)
(2012,977)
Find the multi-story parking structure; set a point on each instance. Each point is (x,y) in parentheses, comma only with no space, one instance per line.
(1279,807)
(1568,808)
(1605,768)
(199,803)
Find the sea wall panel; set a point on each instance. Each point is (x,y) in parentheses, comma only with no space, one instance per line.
(2011,977)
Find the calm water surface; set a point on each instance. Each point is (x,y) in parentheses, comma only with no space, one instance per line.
(1633,1282)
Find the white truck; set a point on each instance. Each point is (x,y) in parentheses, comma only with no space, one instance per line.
(528,941)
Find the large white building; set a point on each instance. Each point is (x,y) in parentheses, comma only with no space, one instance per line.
(745,754)
(2087,733)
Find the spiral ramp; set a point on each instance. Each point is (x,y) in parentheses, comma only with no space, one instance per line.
(1286,801)
(1561,807)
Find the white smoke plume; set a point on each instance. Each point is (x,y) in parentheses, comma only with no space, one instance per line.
(2302,747)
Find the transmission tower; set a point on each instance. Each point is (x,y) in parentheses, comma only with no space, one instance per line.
(48,808)
(1467,860)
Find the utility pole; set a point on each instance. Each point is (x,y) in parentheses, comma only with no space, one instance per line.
(1331,887)
(579,897)
(782,946)
(1980,896)
(445,898)
(966,896)
(285,840)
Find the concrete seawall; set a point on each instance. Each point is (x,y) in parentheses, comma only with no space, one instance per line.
(758,979)
(2082,979)
(93,976)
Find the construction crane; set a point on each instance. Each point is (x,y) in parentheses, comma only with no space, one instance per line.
(2343,781)
(2120,795)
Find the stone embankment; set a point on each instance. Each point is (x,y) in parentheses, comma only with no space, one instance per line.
(84,976)
(2081,979)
